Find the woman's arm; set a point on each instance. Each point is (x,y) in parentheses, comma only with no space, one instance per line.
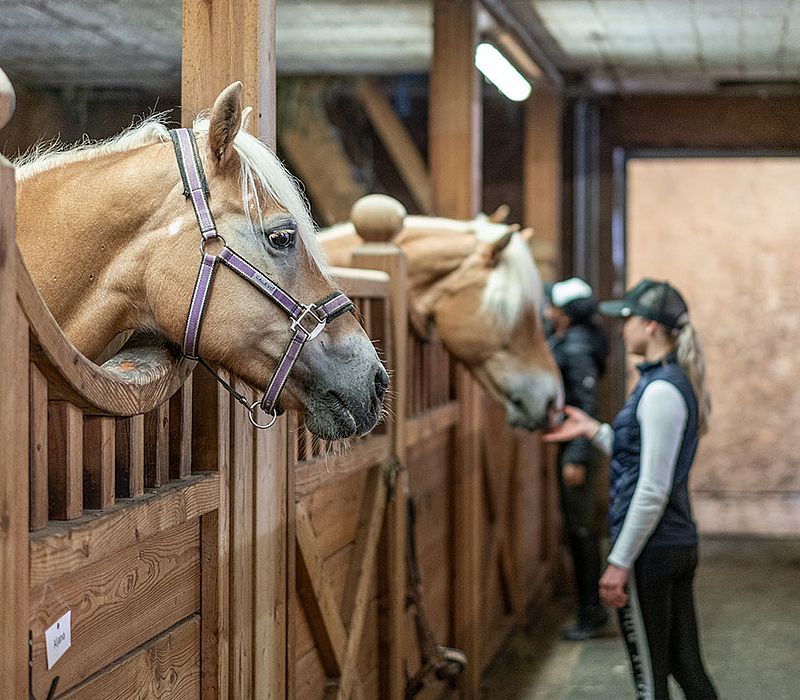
(662,415)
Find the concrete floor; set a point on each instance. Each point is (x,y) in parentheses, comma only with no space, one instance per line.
(748,598)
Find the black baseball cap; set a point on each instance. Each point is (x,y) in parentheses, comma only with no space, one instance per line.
(653,300)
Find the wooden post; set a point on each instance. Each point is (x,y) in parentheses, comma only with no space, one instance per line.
(13,442)
(541,178)
(455,162)
(455,111)
(390,259)
(224,41)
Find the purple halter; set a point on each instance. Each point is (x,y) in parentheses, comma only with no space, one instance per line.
(314,316)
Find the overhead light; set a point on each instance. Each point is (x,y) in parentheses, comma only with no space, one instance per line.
(498,71)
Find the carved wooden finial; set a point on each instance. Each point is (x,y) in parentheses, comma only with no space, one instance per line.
(377,217)
(7,99)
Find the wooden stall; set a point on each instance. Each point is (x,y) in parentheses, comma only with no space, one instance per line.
(199,557)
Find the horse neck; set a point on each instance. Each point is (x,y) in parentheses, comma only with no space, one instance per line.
(77,226)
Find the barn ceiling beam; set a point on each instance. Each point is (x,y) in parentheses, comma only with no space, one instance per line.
(525,26)
(398,142)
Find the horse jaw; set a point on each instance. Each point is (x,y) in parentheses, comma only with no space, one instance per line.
(339,385)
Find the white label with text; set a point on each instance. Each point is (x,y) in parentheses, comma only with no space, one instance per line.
(58,638)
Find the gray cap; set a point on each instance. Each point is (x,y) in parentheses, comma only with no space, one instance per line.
(656,301)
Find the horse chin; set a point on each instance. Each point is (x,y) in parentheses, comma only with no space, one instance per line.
(517,419)
(332,416)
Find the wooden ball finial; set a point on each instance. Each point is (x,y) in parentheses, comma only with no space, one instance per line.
(8,99)
(377,217)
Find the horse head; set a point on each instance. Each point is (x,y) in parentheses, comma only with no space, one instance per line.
(112,243)
(478,284)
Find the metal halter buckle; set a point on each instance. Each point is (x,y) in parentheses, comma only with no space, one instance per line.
(251,412)
(218,238)
(308,309)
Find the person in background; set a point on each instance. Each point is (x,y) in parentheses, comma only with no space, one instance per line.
(579,347)
(652,443)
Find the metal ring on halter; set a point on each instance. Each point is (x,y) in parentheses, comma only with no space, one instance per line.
(252,411)
(203,242)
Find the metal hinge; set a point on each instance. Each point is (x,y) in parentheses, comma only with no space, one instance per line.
(391,469)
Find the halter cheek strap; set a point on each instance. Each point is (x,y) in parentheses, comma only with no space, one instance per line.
(307,321)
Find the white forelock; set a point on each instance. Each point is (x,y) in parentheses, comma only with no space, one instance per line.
(514,284)
(261,170)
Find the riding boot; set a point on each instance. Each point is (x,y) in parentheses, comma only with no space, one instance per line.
(592,616)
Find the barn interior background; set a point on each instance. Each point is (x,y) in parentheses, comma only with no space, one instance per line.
(637,107)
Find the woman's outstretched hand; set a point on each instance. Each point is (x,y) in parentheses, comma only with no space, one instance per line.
(577,424)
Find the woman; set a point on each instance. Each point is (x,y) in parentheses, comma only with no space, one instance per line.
(652,445)
(579,347)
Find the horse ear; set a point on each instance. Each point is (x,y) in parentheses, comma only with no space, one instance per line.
(226,118)
(490,252)
(499,215)
(527,235)
(420,314)
(245,125)
(421,324)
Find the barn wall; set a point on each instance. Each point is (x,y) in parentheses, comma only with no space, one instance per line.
(733,251)
(663,123)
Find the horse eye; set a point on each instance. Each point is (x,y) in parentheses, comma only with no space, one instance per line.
(281,237)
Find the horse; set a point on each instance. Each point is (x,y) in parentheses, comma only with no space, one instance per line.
(477,283)
(109,234)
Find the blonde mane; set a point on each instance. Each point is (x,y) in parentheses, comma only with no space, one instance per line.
(515,284)
(261,170)
(53,154)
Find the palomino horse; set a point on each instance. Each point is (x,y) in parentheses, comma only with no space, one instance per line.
(476,281)
(110,235)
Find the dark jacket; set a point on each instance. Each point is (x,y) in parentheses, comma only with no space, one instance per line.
(676,526)
(581,361)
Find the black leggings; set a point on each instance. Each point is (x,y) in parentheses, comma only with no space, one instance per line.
(660,626)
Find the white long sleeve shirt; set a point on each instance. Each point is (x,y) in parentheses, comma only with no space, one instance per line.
(662,414)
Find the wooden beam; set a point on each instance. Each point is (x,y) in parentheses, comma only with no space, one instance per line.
(224,41)
(163,665)
(14,466)
(361,574)
(391,260)
(316,156)
(455,148)
(523,22)
(99,436)
(541,179)
(65,460)
(398,142)
(271,544)
(455,111)
(59,550)
(39,514)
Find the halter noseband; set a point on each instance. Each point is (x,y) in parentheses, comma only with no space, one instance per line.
(307,321)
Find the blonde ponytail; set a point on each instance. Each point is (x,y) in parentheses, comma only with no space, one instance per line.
(690,358)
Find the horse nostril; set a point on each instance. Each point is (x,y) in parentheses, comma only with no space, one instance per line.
(381,382)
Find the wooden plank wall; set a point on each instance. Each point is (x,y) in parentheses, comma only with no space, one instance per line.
(13,441)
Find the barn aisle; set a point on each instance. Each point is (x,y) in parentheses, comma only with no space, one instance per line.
(748,594)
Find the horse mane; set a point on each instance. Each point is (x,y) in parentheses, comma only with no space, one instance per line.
(515,284)
(46,155)
(260,169)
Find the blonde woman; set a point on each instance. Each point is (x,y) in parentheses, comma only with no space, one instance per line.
(652,444)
